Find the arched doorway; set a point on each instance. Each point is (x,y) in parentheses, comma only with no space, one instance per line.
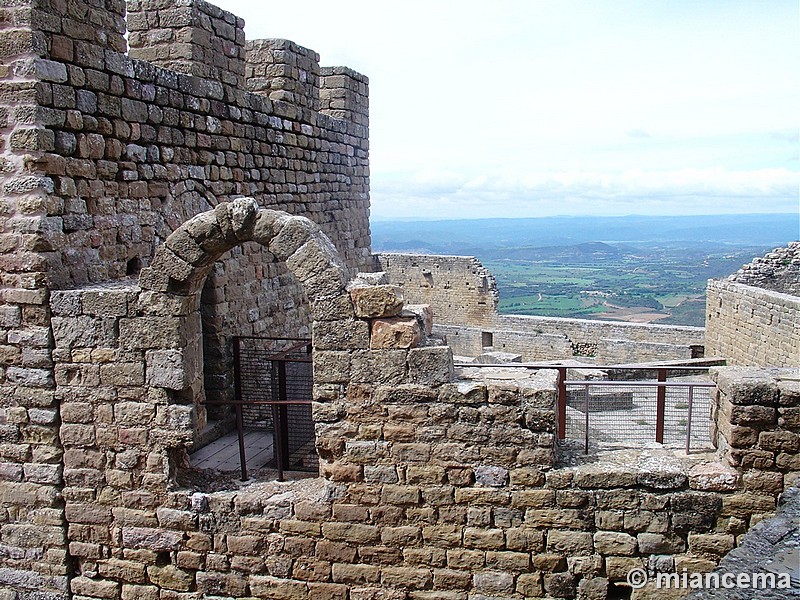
(181,268)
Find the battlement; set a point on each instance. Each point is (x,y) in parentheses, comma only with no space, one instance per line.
(188,36)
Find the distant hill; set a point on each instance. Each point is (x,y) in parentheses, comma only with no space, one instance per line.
(480,236)
(642,269)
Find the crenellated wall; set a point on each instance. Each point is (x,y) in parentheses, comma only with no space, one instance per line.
(463,295)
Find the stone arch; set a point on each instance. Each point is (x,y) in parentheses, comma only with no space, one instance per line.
(169,302)
(182,263)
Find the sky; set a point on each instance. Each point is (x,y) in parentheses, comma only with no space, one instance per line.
(526,108)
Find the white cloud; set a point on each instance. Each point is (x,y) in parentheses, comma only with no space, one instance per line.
(541,107)
(685,191)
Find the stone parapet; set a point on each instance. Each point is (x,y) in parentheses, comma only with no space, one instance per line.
(284,72)
(752,326)
(188,36)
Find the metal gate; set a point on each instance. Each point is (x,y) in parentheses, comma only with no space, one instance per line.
(273,383)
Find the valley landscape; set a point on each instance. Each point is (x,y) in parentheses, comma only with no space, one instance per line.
(635,269)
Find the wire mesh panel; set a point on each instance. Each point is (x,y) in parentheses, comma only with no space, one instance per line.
(274,380)
(631,414)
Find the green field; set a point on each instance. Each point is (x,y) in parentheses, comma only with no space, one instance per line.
(660,284)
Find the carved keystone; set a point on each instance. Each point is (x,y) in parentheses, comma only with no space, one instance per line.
(377,301)
(397,332)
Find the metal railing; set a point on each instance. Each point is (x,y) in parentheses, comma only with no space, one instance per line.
(628,411)
(632,425)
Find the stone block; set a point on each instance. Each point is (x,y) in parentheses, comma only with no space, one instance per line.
(173,369)
(96,588)
(128,571)
(613,543)
(353,533)
(603,476)
(715,545)
(105,303)
(493,582)
(379,301)
(713,477)
(406,577)
(331,366)
(75,332)
(424,315)
(171,577)
(484,539)
(491,476)
(353,574)
(378,366)
(290,234)
(430,366)
(396,332)
(569,543)
(660,543)
(122,374)
(152,332)
(340,335)
(146,538)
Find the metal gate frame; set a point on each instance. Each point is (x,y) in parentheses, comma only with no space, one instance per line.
(280,420)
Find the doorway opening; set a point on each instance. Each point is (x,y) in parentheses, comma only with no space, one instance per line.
(273,380)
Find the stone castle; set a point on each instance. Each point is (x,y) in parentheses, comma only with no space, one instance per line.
(167,186)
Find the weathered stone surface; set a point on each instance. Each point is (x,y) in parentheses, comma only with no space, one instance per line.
(151,539)
(397,332)
(431,365)
(613,543)
(378,301)
(713,477)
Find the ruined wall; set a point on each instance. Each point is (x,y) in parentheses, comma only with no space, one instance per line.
(459,288)
(752,326)
(464,296)
(433,483)
(756,417)
(778,271)
(753,317)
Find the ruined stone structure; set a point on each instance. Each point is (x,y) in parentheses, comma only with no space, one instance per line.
(130,258)
(464,296)
(753,317)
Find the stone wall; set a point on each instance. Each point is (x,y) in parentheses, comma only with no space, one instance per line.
(778,271)
(751,326)
(434,483)
(757,417)
(464,296)
(105,155)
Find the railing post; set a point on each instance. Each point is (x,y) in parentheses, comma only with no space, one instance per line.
(281,426)
(237,387)
(689,419)
(561,403)
(661,402)
(586,408)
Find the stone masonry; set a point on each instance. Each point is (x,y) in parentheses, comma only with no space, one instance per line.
(753,317)
(157,203)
